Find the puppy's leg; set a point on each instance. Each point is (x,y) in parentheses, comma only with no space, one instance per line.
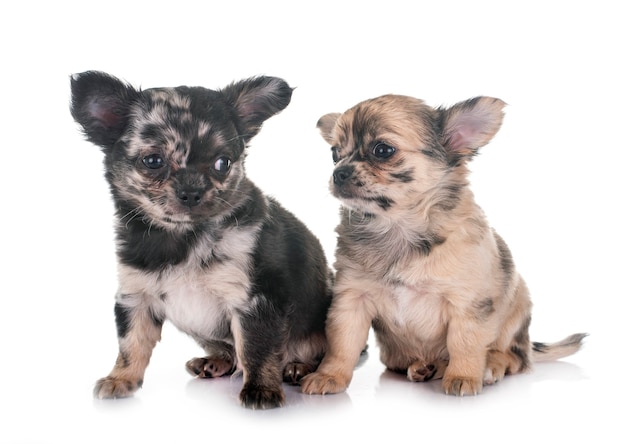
(260,335)
(468,340)
(511,352)
(219,361)
(347,328)
(510,355)
(138,332)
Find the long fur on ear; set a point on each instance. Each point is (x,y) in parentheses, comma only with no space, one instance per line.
(100,104)
(325,124)
(470,125)
(256,99)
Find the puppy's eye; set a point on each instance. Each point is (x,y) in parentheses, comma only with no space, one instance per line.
(335,154)
(222,165)
(153,161)
(383,151)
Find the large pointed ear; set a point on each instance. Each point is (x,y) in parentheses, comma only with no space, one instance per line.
(257,99)
(100,104)
(470,125)
(325,124)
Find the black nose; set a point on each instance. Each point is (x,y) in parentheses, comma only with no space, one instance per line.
(342,173)
(189,197)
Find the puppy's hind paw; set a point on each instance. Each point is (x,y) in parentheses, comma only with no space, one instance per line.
(322,384)
(421,372)
(111,388)
(493,374)
(209,367)
(295,371)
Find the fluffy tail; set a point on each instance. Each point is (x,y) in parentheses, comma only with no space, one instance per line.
(557,350)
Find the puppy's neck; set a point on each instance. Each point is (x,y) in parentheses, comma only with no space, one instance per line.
(433,216)
(382,240)
(378,241)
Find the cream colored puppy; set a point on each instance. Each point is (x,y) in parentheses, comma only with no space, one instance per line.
(416,259)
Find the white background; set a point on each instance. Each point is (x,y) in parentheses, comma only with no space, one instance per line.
(551,182)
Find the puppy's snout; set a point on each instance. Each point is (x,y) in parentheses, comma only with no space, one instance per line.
(189,196)
(190,187)
(342,174)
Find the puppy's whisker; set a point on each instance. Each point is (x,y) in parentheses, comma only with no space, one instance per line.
(225,202)
(135,212)
(238,137)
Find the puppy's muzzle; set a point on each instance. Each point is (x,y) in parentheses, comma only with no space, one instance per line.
(342,174)
(190,188)
(189,196)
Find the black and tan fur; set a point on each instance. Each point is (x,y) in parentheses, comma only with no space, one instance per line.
(416,259)
(198,243)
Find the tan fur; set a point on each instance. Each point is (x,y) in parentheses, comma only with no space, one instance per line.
(416,258)
(127,374)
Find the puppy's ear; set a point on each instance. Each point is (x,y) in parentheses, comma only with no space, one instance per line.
(470,125)
(100,104)
(325,124)
(257,99)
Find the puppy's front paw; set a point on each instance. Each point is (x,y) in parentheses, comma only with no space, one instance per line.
(111,387)
(257,397)
(321,384)
(462,385)
(209,367)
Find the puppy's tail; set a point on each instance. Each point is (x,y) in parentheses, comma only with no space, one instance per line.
(557,350)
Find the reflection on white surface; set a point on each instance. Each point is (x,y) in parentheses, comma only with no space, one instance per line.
(172,406)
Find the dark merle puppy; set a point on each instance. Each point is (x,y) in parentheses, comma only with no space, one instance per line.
(198,243)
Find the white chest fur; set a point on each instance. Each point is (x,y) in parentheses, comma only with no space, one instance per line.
(419,311)
(199,299)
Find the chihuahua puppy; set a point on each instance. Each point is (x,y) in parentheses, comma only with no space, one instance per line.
(416,259)
(198,243)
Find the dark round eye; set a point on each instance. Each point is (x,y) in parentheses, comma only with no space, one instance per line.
(383,151)
(153,161)
(222,165)
(335,154)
